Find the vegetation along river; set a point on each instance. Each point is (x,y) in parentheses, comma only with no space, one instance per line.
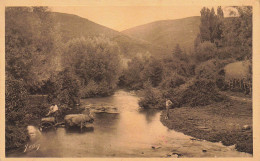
(132,132)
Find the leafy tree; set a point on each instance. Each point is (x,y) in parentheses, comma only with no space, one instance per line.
(29,47)
(65,88)
(132,75)
(205,25)
(220,12)
(211,26)
(29,44)
(94,59)
(205,51)
(153,71)
(238,32)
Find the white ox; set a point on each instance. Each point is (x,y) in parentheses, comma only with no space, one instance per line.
(78,120)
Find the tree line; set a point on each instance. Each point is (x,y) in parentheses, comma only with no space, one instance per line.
(38,61)
(193,78)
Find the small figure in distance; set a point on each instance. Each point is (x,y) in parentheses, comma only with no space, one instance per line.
(54,111)
(168,104)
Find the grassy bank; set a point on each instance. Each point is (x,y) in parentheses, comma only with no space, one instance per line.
(222,121)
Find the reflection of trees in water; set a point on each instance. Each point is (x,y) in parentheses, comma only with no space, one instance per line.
(149,114)
(106,121)
(76,129)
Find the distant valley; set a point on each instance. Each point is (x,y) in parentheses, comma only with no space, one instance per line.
(156,38)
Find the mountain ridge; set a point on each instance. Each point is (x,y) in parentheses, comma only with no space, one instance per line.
(168,33)
(73,26)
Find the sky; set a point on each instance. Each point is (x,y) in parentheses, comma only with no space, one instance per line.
(123,17)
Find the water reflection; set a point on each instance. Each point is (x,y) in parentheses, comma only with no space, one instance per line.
(149,114)
(78,130)
(106,122)
(131,133)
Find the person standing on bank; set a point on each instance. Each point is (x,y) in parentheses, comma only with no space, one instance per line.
(168,104)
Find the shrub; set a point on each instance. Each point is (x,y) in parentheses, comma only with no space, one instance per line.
(15,101)
(15,94)
(93,89)
(171,81)
(196,92)
(20,110)
(153,98)
(66,89)
(152,72)
(228,52)
(132,77)
(207,69)
(205,51)
(15,136)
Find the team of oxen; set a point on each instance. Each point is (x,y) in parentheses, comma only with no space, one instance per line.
(79,121)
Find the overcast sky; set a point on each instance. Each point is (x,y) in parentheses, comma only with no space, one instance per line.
(124,17)
(120,17)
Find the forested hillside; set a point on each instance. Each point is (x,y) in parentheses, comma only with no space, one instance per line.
(67,58)
(168,33)
(72,26)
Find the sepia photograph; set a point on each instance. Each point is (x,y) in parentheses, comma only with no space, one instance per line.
(128,81)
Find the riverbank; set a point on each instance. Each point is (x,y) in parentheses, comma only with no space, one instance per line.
(229,122)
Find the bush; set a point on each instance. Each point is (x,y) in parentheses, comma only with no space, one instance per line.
(132,77)
(66,89)
(153,98)
(228,52)
(93,89)
(15,94)
(152,72)
(197,92)
(207,70)
(15,101)
(15,136)
(174,64)
(171,81)
(20,111)
(205,51)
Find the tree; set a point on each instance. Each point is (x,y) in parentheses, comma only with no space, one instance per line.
(205,51)
(29,44)
(94,59)
(238,32)
(211,26)
(133,74)
(153,71)
(177,50)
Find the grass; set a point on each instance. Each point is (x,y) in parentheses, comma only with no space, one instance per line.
(222,121)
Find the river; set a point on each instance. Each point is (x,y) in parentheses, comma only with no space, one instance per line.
(130,133)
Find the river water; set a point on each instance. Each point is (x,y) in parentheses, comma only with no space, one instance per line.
(130,133)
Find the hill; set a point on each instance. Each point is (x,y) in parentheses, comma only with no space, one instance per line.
(167,33)
(72,26)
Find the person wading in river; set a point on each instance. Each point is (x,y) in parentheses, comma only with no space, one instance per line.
(54,111)
(168,104)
